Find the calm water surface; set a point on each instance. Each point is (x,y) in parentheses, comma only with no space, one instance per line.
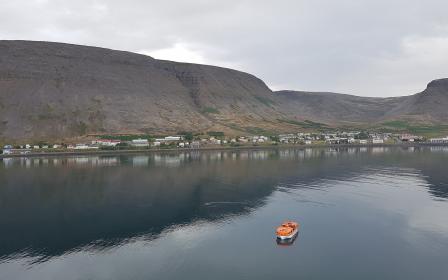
(379,213)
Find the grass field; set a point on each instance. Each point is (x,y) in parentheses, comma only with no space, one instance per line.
(210,110)
(126,137)
(306,124)
(265,101)
(418,129)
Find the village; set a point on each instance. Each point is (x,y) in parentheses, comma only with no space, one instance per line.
(215,139)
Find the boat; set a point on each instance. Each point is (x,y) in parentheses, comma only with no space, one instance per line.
(288,230)
(286,242)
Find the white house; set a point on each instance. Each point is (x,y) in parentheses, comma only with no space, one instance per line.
(7,149)
(168,139)
(140,142)
(106,142)
(195,145)
(378,141)
(84,147)
(173,138)
(81,147)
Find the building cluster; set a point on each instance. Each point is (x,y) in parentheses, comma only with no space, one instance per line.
(439,140)
(96,145)
(298,138)
(357,137)
(335,138)
(250,139)
(180,141)
(410,138)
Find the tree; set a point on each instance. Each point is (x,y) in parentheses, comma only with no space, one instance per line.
(362,135)
(189,136)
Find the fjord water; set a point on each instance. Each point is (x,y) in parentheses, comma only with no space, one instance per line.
(365,213)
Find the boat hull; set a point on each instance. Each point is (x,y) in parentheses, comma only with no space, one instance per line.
(286,242)
(286,237)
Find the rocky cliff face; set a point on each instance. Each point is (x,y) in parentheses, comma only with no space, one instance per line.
(336,109)
(431,105)
(53,90)
(60,90)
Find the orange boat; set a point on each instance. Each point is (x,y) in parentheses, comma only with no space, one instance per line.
(287,230)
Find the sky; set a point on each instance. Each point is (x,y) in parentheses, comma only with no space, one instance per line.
(367,48)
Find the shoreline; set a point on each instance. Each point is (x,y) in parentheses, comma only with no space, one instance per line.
(205,149)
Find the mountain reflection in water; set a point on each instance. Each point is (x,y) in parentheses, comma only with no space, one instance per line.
(54,206)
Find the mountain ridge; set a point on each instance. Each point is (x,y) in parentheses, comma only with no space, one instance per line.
(55,91)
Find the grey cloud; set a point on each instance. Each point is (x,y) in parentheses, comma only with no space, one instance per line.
(375,48)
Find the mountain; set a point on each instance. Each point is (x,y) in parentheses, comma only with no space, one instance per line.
(425,108)
(428,106)
(334,108)
(62,90)
(56,91)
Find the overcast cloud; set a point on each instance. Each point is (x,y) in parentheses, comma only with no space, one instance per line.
(370,48)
